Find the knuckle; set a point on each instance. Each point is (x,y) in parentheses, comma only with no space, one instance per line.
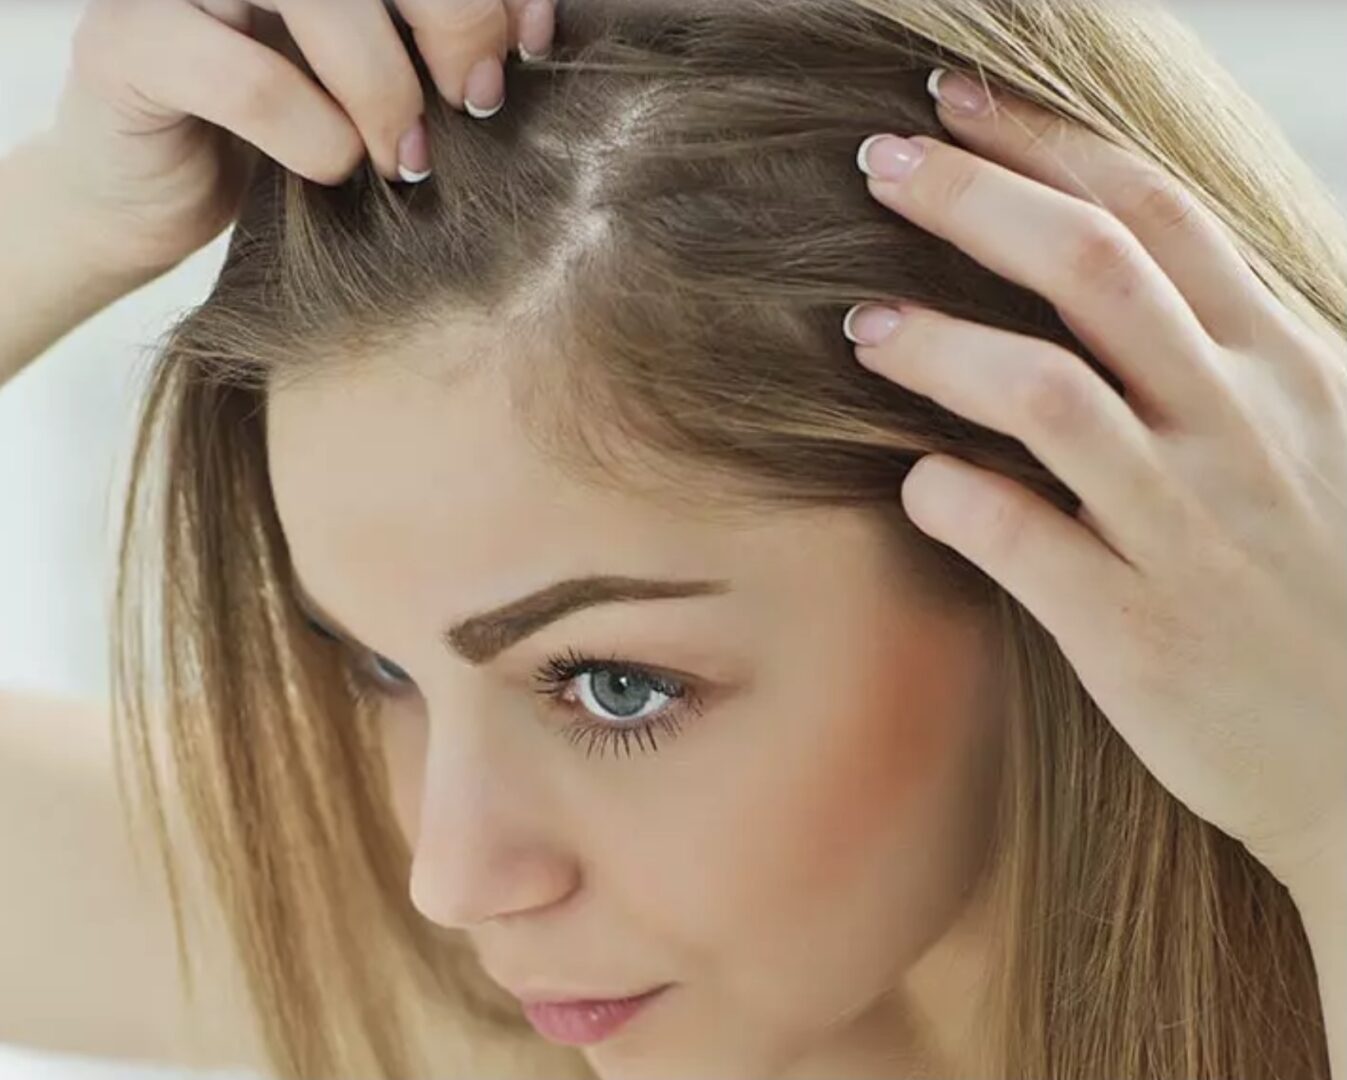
(385,114)
(1102,251)
(256,94)
(1054,396)
(957,184)
(1047,136)
(1004,526)
(1156,199)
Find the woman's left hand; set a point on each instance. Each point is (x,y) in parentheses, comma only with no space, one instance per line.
(1201,593)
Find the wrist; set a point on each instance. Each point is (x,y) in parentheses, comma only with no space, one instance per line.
(92,239)
(50,281)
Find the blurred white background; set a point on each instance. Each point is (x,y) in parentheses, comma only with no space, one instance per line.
(64,423)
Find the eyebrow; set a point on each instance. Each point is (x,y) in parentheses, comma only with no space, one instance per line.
(480,638)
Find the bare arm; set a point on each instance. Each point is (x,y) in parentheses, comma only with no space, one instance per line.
(49,282)
(87,952)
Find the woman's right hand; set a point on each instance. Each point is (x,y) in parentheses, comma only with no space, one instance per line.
(167,103)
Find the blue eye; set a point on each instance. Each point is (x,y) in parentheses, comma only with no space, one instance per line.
(624,692)
(385,671)
(618,702)
(372,672)
(387,667)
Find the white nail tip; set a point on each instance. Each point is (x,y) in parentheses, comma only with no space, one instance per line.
(410,177)
(846,325)
(933,83)
(525,55)
(864,149)
(484,114)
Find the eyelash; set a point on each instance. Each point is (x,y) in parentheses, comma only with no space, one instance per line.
(554,677)
(560,671)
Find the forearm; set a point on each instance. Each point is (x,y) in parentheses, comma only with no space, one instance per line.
(1323,910)
(48,283)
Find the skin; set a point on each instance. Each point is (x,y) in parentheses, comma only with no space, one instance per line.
(145,177)
(800,857)
(1222,381)
(1221,378)
(1205,576)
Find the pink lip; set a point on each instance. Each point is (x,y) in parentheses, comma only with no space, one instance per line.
(579,1023)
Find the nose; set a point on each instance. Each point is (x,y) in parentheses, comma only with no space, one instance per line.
(485,845)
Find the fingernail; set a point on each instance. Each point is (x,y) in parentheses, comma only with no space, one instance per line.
(888,157)
(870,324)
(537,24)
(414,154)
(957,92)
(486,83)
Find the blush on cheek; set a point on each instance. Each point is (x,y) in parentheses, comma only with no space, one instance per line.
(868,784)
(887,772)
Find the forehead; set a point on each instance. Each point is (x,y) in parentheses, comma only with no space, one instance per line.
(412,475)
(453,427)
(392,471)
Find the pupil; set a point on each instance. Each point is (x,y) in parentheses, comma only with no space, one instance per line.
(624,705)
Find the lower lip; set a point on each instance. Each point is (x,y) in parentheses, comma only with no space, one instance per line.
(581,1023)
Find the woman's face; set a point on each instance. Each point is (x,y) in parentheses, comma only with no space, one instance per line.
(796,859)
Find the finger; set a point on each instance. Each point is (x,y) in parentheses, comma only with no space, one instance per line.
(1189,242)
(1054,403)
(1079,257)
(532,25)
(1051,563)
(464,43)
(228,79)
(234,13)
(354,50)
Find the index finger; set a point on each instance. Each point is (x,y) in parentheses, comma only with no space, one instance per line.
(1189,242)
(243,85)
(465,44)
(353,49)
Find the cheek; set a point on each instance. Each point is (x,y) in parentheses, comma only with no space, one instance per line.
(867,780)
(864,802)
(851,833)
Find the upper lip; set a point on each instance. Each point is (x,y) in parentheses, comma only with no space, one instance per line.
(536,995)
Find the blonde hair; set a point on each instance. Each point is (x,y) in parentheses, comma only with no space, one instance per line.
(671,204)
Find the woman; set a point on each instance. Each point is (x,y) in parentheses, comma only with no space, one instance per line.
(867,768)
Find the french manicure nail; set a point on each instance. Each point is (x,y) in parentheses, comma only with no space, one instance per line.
(870,324)
(537,22)
(486,82)
(957,92)
(414,154)
(889,157)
